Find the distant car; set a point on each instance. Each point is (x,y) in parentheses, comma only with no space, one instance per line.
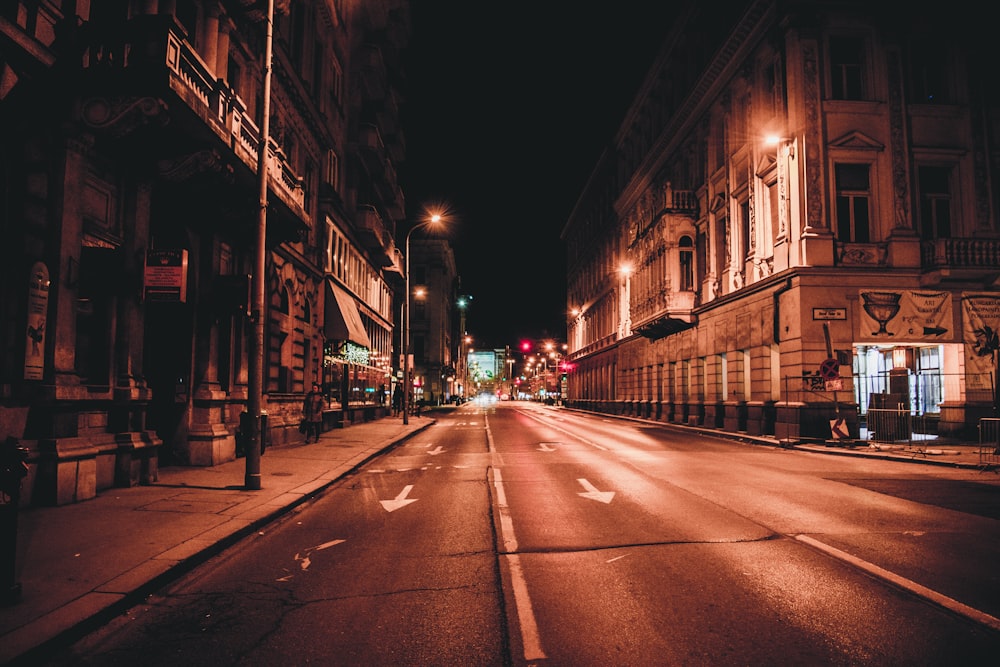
(485,399)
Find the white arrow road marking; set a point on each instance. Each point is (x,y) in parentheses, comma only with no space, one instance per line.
(544,447)
(305,562)
(593,494)
(437,450)
(399,501)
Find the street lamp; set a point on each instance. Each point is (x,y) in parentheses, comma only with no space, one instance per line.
(463,303)
(255,362)
(407,384)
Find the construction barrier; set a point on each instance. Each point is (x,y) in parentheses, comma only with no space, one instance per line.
(890,425)
(989,442)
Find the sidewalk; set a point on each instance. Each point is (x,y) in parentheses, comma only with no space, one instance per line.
(81,565)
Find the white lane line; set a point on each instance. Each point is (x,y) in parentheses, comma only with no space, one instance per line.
(506,522)
(522,601)
(943,600)
(525,614)
(548,423)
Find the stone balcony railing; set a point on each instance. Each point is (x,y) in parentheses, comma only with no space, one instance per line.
(960,253)
(153,50)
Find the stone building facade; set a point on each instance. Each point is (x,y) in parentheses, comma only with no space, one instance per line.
(131,132)
(795,223)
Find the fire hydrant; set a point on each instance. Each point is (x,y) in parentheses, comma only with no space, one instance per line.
(13,469)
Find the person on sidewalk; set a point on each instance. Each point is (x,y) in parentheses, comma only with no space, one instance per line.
(397,401)
(312,412)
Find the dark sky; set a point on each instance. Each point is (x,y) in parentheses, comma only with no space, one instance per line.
(507,108)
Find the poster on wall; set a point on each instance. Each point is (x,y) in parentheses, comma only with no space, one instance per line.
(165,276)
(980,327)
(38,307)
(906,316)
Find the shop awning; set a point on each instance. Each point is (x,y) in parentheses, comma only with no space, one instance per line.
(342,319)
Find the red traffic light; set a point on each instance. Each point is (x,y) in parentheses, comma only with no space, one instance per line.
(525,346)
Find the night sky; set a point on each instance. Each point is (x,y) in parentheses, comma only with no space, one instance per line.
(505,116)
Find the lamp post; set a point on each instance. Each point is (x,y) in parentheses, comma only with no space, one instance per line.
(407,384)
(255,364)
(463,303)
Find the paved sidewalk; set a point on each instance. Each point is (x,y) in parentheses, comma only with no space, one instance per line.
(80,565)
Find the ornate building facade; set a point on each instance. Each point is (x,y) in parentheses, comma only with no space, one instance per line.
(131,132)
(796,222)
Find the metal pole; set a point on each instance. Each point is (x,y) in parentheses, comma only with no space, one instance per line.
(255,364)
(406,335)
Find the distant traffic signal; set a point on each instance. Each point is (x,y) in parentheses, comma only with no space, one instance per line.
(525,346)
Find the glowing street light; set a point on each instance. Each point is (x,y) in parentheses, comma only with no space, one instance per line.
(434,220)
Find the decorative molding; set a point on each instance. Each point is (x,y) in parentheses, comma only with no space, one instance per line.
(120,116)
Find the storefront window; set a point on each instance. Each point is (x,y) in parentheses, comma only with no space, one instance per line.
(346,373)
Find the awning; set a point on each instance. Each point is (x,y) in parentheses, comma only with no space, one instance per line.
(342,320)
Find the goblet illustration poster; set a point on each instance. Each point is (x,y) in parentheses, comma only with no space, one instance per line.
(906,317)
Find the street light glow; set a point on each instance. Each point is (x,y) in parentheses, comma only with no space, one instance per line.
(432,220)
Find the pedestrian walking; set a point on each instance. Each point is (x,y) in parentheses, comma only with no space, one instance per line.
(397,401)
(312,412)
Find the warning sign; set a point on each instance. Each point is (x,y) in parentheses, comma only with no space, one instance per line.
(838,429)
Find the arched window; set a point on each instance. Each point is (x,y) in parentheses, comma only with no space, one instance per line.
(686,263)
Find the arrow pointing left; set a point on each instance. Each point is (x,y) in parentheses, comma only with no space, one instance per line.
(400,500)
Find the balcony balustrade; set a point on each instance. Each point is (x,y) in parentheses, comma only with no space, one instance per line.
(152,52)
(960,253)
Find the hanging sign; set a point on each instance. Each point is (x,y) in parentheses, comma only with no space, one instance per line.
(38,307)
(981,335)
(906,315)
(165,277)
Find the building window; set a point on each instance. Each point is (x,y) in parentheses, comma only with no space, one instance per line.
(331,169)
(721,249)
(929,73)
(686,264)
(847,62)
(745,238)
(935,203)
(308,178)
(853,196)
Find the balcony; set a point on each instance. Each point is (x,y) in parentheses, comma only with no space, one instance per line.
(664,314)
(371,228)
(371,149)
(373,76)
(960,259)
(152,77)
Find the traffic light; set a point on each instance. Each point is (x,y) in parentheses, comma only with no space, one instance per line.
(525,346)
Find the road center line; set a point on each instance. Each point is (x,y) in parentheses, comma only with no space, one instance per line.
(525,614)
(522,601)
(942,600)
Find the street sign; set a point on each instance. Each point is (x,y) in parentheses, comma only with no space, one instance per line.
(830,369)
(838,429)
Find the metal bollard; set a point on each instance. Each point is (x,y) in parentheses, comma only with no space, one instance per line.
(13,469)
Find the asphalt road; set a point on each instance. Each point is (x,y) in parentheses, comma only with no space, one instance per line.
(512,534)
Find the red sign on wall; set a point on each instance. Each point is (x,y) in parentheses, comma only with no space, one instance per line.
(165,278)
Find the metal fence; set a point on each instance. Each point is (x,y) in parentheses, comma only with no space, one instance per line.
(897,426)
(989,442)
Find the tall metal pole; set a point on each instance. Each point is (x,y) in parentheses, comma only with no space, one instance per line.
(407,384)
(406,335)
(255,365)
